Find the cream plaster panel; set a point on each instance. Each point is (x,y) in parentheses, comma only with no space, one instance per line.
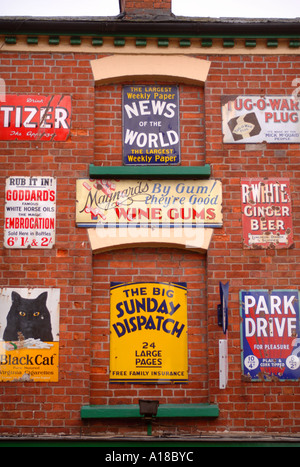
(191,239)
(119,68)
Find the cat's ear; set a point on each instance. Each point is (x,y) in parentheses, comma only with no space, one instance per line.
(15,297)
(43,298)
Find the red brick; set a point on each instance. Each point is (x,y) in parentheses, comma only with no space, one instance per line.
(85,281)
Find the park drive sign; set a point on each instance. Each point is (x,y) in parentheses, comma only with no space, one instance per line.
(270,334)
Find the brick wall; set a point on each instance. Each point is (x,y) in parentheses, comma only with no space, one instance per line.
(158,265)
(37,408)
(266,406)
(127,5)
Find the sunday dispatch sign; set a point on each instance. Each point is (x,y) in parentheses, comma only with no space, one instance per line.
(270,334)
(151,125)
(148,332)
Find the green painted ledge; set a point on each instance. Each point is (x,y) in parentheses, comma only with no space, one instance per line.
(153,172)
(202,441)
(164,411)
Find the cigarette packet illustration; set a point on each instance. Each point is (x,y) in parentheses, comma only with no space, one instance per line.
(244,126)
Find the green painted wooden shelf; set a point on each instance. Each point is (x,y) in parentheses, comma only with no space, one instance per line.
(153,172)
(164,411)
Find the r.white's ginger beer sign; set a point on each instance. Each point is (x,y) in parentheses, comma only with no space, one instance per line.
(267,213)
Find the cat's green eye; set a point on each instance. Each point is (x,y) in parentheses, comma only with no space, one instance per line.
(36,313)
(22,313)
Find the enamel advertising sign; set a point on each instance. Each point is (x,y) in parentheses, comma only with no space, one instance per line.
(145,203)
(258,119)
(151,125)
(29,335)
(270,334)
(266,213)
(35,117)
(148,332)
(30,212)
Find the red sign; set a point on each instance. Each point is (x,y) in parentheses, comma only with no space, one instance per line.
(267,213)
(35,118)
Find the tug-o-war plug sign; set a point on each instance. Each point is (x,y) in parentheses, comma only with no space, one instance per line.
(260,119)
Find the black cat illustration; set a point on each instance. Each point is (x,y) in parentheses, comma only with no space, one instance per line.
(29,318)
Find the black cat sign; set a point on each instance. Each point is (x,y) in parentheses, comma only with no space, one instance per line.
(29,333)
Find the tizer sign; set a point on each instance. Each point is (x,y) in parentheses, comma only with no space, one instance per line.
(148,332)
(35,117)
(270,334)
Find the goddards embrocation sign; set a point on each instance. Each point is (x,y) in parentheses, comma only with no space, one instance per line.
(148,332)
(270,334)
(258,119)
(30,212)
(29,335)
(151,125)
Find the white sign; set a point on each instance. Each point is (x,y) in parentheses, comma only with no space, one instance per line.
(257,119)
(30,212)
(223,363)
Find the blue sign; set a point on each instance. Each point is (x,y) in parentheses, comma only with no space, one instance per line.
(151,125)
(223,307)
(270,334)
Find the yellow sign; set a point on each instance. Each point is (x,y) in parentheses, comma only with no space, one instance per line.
(148,332)
(28,361)
(29,335)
